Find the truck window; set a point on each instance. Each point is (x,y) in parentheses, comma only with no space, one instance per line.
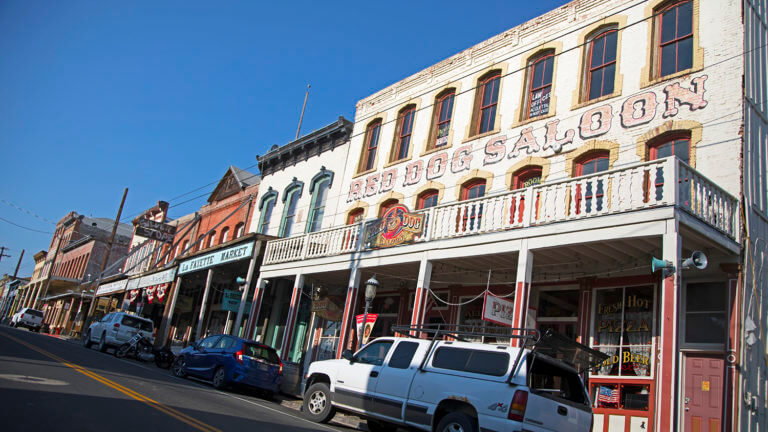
(374,353)
(403,355)
(475,361)
(549,380)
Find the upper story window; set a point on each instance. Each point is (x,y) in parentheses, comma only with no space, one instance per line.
(319,197)
(200,242)
(403,133)
(240,228)
(355,216)
(674,144)
(474,188)
(266,215)
(368,158)
(540,70)
(428,199)
(591,163)
(601,64)
(289,213)
(527,176)
(441,119)
(386,205)
(184,246)
(211,238)
(674,26)
(486,102)
(224,235)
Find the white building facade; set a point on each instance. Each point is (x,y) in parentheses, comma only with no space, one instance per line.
(549,166)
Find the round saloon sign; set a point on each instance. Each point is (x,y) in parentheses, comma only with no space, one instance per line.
(397,226)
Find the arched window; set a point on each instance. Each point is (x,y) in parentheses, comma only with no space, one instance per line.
(427,199)
(403,133)
(319,188)
(674,27)
(591,163)
(240,227)
(368,157)
(600,67)
(184,247)
(211,239)
(355,216)
(537,98)
(474,188)
(289,213)
(441,119)
(200,242)
(526,176)
(472,215)
(266,205)
(224,235)
(386,205)
(671,144)
(486,101)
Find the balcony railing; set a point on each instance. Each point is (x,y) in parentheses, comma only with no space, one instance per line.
(659,183)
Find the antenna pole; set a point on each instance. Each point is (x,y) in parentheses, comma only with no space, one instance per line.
(306,96)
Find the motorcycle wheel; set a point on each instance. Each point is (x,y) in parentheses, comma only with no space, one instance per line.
(122,351)
(163,361)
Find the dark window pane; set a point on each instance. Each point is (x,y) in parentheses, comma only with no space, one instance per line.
(705,297)
(488,119)
(685,19)
(598,45)
(664,150)
(494,91)
(705,327)
(538,74)
(488,92)
(451,358)
(488,363)
(608,79)
(548,64)
(403,355)
(595,84)
(601,165)
(682,150)
(685,54)
(668,25)
(610,47)
(668,62)
(374,353)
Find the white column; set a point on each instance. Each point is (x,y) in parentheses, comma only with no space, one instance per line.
(293,310)
(201,317)
(523,287)
(349,309)
(246,289)
(258,294)
(422,292)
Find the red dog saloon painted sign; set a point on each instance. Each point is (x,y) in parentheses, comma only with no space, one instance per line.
(635,111)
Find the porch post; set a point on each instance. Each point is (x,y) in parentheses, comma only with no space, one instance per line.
(201,317)
(585,310)
(246,288)
(293,310)
(170,305)
(422,293)
(38,285)
(349,309)
(523,288)
(666,388)
(258,294)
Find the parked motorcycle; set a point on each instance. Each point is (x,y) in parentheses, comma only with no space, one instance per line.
(137,347)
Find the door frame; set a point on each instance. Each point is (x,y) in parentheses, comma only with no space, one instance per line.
(682,354)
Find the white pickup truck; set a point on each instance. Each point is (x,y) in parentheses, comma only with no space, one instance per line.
(443,385)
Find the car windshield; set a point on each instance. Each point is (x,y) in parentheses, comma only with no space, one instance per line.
(138,323)
(33,312)
(261,352)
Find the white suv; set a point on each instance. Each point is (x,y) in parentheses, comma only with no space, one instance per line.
(29,318)
(115,329)
(450,385)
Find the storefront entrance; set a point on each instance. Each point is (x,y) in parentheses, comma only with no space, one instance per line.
(703,393)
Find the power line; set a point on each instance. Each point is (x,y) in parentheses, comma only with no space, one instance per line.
(23,227)
(27,211)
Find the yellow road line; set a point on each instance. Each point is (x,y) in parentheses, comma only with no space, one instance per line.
(197,424)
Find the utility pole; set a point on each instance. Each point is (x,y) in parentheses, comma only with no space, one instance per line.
(106,259)
(18,264)
(2,253)
(306,96)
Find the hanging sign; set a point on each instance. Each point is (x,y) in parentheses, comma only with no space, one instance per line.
(161,289)
(132,294)
(157,278)
(151,293)
(230,301)
(234,253)
(397,226)
(498,310)
(328,308)
(370,320)
(155,230)
(112,287)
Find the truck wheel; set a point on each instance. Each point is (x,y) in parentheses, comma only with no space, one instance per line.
(456,422)
(103,343)
(87,340)
(317,403)
(380,426)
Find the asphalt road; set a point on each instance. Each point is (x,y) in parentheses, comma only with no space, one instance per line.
(55,385)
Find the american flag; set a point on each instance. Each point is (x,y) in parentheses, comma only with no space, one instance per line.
(608,395)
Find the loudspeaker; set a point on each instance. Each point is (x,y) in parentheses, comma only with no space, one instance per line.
(657,264)
(240,280)
(697,259)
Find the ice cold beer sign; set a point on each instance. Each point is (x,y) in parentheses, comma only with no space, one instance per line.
(635,111)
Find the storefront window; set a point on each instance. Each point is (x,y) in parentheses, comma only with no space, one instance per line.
(622,329)
(620,396)
(471,314)
(300,329)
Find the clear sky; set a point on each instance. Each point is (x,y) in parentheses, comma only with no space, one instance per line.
(162,96)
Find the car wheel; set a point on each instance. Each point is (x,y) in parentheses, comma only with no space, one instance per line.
(317,403)
(220,378)
(103,343)
(178,367)
(456,422)
(87,340)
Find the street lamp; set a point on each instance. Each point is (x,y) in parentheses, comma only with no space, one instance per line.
(370,293)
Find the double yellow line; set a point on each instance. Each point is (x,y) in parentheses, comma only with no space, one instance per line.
(197,424)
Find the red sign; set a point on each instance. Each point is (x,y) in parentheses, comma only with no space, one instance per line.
(498,310)
(370,320)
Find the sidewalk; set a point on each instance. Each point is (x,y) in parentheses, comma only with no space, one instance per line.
(287,401)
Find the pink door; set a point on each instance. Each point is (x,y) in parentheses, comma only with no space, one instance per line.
(703,394)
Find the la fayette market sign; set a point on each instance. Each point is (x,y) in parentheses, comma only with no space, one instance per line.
(234,253)
(635,110)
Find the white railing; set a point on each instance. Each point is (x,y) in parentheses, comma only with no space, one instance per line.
(636,187)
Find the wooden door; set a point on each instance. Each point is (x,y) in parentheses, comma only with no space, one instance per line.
(703,394)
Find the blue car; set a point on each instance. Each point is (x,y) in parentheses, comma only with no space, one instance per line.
(225,360)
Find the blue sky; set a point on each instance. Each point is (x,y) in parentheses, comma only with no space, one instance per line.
(162,96)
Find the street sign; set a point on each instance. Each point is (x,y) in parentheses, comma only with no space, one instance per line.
(230,301)
(155,230)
